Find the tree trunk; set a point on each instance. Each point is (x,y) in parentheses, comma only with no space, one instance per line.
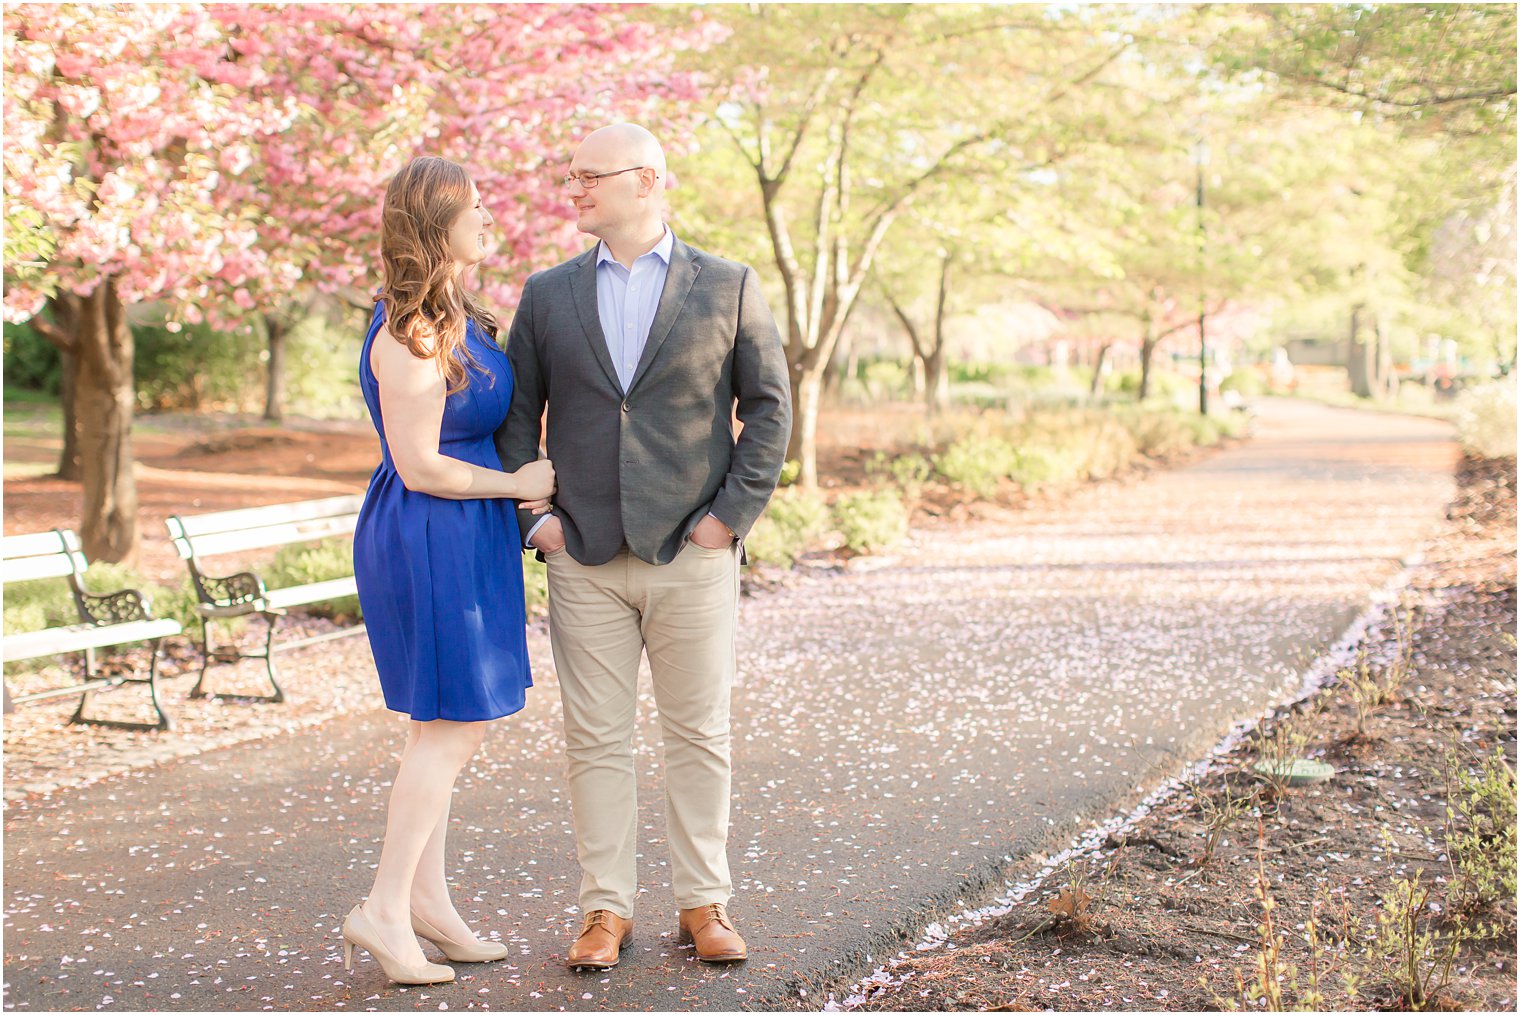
(919,380)
(836,370)
(807,387)
(936,381)
(1147,349)
(274,390)
(1361,357)
(1385,380)
(68,460)
(103,399)
(1095,390)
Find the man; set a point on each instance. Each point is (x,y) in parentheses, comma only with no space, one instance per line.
(642,348)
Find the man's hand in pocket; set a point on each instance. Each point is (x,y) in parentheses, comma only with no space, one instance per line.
(710,534)
(550,536)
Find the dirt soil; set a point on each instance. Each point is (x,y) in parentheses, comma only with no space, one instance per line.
(1140,923)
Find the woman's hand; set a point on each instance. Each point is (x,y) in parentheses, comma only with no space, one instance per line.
(535,481)
(538,507)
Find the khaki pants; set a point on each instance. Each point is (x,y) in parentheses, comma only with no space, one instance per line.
(601,619)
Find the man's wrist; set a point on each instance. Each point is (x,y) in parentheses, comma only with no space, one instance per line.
(528,539)
(731,533)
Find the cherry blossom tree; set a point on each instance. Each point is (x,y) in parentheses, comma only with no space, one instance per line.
(226,160)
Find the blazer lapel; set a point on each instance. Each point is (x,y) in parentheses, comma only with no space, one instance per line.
(678,282)
(583,291)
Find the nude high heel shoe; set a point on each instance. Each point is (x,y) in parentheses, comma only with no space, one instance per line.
(357,930)
(454,951)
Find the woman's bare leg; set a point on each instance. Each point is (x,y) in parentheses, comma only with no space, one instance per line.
(418,811)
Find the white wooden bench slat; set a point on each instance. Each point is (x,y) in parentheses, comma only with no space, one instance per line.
(269,535)
(301,595)
(31,545)
(282,599)
(55,641)
(25,569)
(243,518)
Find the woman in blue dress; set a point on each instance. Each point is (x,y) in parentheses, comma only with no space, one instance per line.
(436,552)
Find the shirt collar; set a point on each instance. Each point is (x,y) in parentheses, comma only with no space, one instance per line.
(662,249)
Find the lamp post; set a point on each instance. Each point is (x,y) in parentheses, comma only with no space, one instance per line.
(1200,160)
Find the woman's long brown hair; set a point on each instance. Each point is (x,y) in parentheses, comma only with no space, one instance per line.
(426,307)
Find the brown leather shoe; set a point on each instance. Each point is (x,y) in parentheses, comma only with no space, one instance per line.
(603,935)
(709,928)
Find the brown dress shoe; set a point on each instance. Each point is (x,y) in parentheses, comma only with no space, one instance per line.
(709,928)
(603,935)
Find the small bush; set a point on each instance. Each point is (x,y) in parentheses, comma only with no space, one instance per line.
(535,584)
(1044,466)
(1165,386)
(790,470)
(1480,830)
(977,462)
(872,520)
(886,379)
(791,523)
(1486,419)
(303,564)
(31,361)
(1105,449)
(38,605)
(908,472)
(1156,433)
(1247,382)
(1411,951)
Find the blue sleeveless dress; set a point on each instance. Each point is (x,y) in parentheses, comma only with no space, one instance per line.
(441,581)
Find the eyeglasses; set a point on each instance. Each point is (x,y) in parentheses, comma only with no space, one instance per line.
(590,180)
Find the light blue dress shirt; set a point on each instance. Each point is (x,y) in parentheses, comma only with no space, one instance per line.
(626,301)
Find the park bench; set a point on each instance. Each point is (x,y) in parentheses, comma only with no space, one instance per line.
(244,594)
(106,621)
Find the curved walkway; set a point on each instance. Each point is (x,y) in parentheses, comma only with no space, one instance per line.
(900,734)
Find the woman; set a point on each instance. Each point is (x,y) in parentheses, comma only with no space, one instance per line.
(436,552)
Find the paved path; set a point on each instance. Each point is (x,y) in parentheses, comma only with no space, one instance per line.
(900,733)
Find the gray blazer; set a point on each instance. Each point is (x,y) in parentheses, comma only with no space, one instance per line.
(643,467)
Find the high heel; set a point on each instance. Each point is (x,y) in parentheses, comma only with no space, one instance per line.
(357,930)
(478,951)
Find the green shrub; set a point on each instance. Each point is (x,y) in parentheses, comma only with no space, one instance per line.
(1111,449)
(31,361)
(1248,382)
(790,470)
(1164,385)
(1157,433)
(1486,419)
(1206,430)
(791,523)
(871,520)
(1035,465)
(319,368)
(908,472)
(302,564)
(886,379)
(37,605)
(977,461)
(535,584)
(1480,830)
(197,367)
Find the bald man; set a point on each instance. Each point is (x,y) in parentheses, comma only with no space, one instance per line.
(643,349)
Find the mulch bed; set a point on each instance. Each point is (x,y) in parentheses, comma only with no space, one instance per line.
(1139,923)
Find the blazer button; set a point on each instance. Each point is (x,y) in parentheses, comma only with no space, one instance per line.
(625,406)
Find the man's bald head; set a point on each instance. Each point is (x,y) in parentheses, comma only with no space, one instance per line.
(625,143)
(627,202)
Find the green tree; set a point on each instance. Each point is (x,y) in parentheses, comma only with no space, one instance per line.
(841,118)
